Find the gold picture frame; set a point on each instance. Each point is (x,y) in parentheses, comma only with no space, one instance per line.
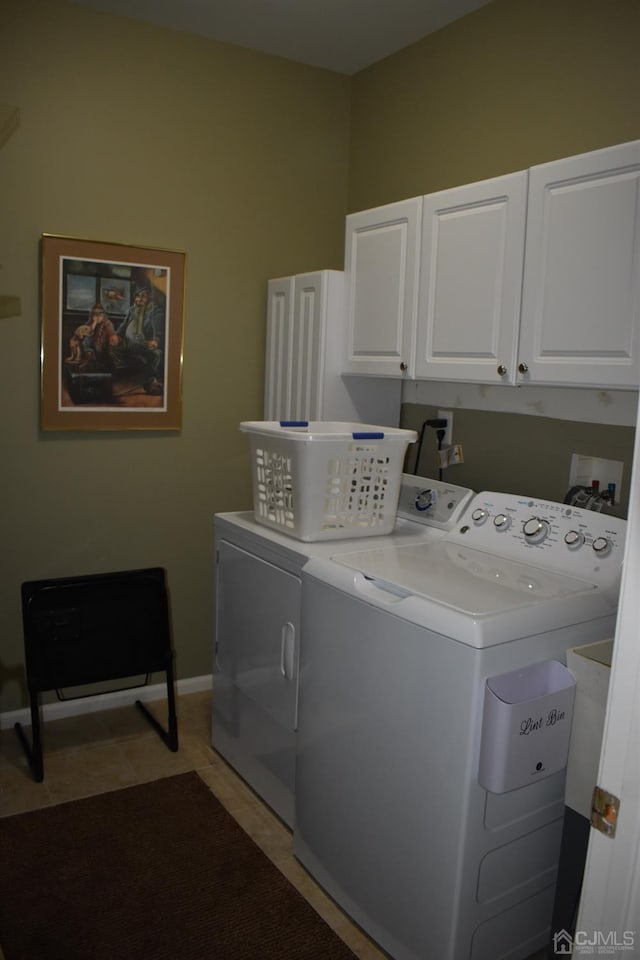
(112,335)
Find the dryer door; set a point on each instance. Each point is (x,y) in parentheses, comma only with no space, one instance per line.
(257,628)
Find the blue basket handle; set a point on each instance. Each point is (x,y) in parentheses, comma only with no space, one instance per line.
(294,423)
(368,436)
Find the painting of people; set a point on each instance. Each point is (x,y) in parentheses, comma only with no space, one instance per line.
(115,324)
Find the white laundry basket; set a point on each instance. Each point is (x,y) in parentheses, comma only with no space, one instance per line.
(322,480)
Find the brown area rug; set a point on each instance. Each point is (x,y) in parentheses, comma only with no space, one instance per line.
(153,872)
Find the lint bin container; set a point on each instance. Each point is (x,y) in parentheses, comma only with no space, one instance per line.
(526,725)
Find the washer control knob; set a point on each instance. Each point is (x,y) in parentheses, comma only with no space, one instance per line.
(535,530)
(574,539)
(479,515)
(501,522)
(602,546)
(425,500)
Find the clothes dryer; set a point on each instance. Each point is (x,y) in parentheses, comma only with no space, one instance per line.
(257,641)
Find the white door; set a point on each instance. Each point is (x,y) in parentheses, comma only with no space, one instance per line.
(381,272)
(257,630)
(610,903)
(294,355)
(307,348)
(581,295)
(279,345)
(471,281)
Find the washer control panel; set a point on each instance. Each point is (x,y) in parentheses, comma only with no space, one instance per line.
(432,502)
(557,536)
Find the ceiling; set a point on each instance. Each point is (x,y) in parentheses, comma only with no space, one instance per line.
(340,35)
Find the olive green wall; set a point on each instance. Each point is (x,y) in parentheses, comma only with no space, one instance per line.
(516,83)
(248,163)
(529,455)
(143,135)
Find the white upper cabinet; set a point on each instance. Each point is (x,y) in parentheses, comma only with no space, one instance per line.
(471,281)
(278,357)
(533,277)
(581,296)
(307,345)
(304,354)
(381,267)
(295,348)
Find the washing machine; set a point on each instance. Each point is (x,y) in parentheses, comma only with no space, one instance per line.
(257,638)
(435,826)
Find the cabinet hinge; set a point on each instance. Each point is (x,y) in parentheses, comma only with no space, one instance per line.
(605,807)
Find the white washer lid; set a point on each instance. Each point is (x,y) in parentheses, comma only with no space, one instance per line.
(469,581)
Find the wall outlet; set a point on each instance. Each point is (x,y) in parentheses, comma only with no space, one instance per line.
(448,416)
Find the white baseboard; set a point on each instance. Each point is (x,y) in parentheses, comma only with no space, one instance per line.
(104,701)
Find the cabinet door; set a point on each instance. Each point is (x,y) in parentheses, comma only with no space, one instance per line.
(257,629)
(471,281)
(381,270)
(307,347)
(581,296)
(279,347)
(294,365)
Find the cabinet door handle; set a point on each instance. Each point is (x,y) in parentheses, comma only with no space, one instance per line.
(403,366)
(523,367)
(287,651)
(502,369)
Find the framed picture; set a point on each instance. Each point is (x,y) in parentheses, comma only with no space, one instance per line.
(112,336)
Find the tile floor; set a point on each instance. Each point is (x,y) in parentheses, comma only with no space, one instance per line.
(116,748)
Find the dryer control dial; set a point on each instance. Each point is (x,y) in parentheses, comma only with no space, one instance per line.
(602,546)
(574,539)
(479,516)
(501,522)
(535,530)
(425,499)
